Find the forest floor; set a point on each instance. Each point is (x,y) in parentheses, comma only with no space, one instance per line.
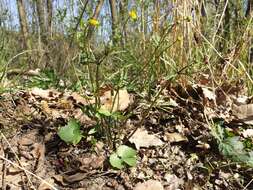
(192,137)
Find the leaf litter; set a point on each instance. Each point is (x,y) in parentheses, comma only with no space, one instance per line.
(178,145)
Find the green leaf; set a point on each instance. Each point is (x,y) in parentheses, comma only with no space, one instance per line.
(235,142)
(117,115)
(71,133)
(130,161)
(127,154)
(125,151)
(124,154)
(104,112)
(115,161)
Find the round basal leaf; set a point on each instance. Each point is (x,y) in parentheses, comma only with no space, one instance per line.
(115,161)
(130,161)
(70,133)
(125,152)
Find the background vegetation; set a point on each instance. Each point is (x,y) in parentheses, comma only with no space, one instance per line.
(127,43)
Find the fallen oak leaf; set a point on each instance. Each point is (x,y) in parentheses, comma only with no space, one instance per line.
(141,138)
(175,137)
(118,101)
(80,99)
(45,94)
(243,113)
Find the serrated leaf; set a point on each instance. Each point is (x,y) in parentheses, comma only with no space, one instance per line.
(231,146)
(115,161)
(70,133)
(235,143)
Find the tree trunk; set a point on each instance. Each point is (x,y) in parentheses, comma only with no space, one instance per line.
(23,23)
(34,24)
(43,26)
(49,16)
(114,20)
(41,18)
(95,16)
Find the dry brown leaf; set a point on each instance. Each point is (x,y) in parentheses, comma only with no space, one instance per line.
(44,186)
(209,94)
(45,107)
(75,177)
(34,72)
(247,133)
(241,100)
(80,99)
(54,113)
(118,102)
(141,138)
(28,139)
(173,181)
(40,92)
(149,185)
(82,118)
(244,113)
(175,137)
(45,94)
(64,104)
(91,161)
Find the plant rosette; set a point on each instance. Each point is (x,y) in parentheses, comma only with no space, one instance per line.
(123,156)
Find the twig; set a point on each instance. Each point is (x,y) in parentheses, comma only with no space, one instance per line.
(16,156)
(26,171)
(3,176)
(248,184)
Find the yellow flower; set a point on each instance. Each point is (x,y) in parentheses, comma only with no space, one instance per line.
(93,22)
(133,14)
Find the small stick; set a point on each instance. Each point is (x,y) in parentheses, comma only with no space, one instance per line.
(4,174)
(28,172)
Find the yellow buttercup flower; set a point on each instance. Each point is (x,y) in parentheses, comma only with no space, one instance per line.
(133,14)
(93,22)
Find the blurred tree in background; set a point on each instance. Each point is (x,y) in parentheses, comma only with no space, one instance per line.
(151,37)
